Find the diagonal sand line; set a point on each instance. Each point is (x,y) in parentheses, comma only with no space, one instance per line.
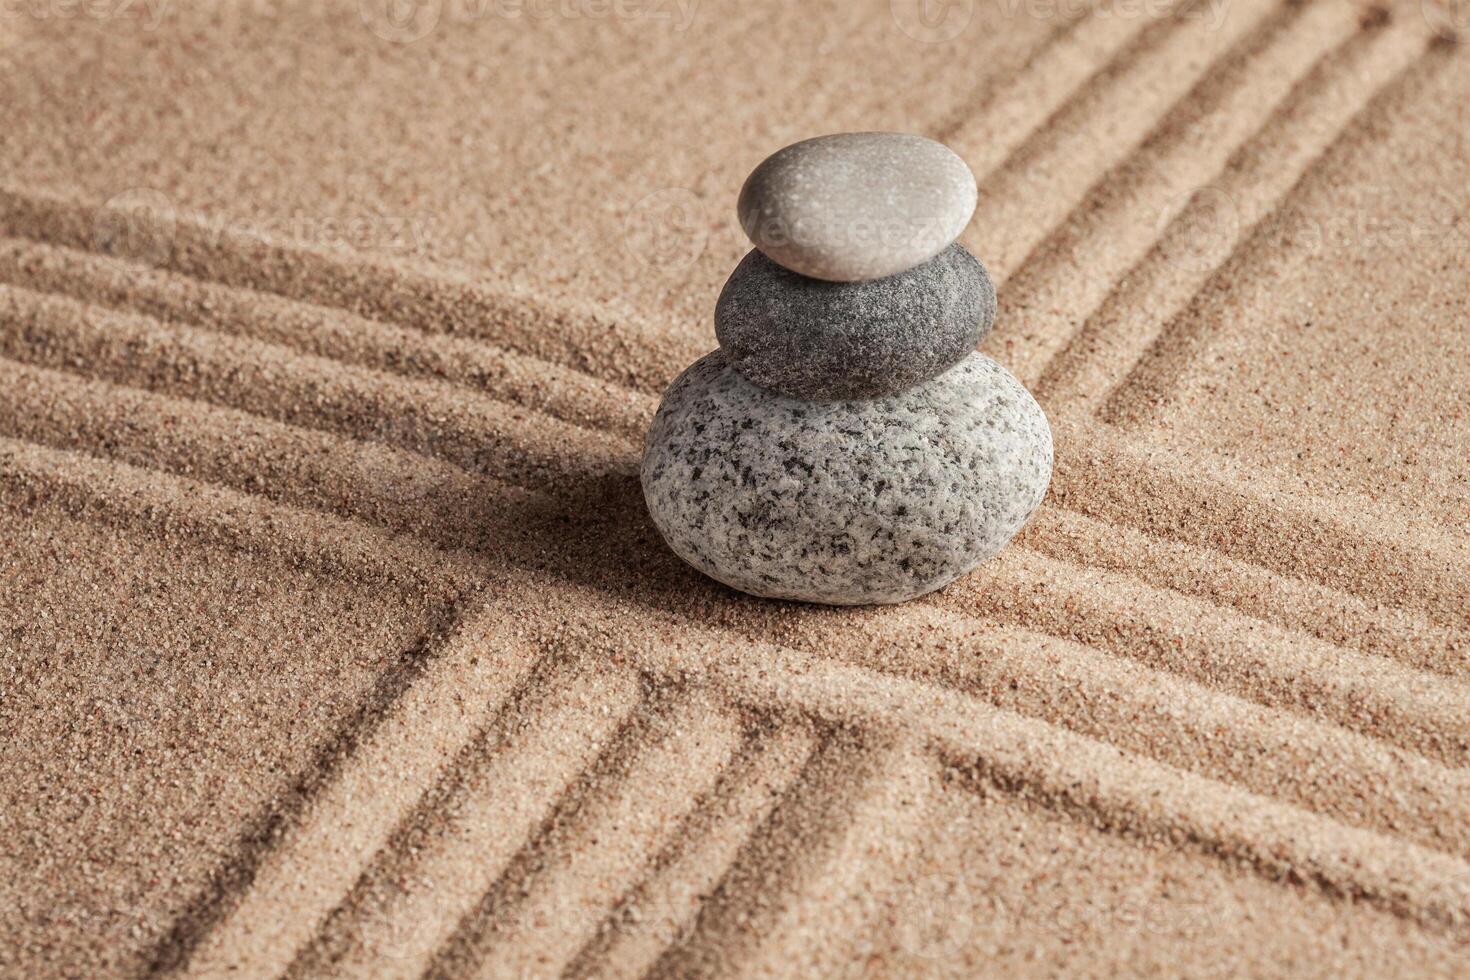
(1102,474)
(1331,615)
(838,838)
(325,332)
(1429,714)
(573,713)
(1074,268)
(471,430)
(665,906)
(1318,114)
(1151,359)
(569,879)
(1032,97)
(1034,191)
(400,294)
(126,496)
(1068,772)
(304,876)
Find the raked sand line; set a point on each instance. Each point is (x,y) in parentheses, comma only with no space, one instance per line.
(1035,189)
(118,495)
(816,866)
(1099,783)
(454,509)
(1416,710)
(1011,589)
(303,876)
(326,332)
(65,336)
(1329,615)
(1105,476)
(1295,678)
(1261,251)
(1358,779)
(401,492)
(472,431)
(1023,102)
(451,852)
(598,845)
(193,245)
(1252,186)
(663,909)
(1123,212)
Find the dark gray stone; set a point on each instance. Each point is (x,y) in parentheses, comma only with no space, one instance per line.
(848,502)
(810,338)
(855,206)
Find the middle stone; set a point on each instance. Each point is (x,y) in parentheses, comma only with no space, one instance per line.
(819,340)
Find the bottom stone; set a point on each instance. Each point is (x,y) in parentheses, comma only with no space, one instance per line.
(846,502)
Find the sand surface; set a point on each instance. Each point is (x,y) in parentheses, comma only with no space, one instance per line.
(334,637)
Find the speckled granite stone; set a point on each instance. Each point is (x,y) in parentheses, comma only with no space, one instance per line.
(855,206)
(810,338)
(846,502)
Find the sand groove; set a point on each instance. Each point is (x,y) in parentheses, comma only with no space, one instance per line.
(1050,79)
(399,294)
(563,885)
(431,417)
(498,793)
(1291,756)
(1118,364)
(849,823)
(1103,475)
(351,818)
(1072,773)
(1330,615)
(326,332)
(1035,189)
(1225,650)
(1122,214)
(664,907)
(156,504)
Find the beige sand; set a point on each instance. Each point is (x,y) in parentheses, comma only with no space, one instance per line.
(334,639)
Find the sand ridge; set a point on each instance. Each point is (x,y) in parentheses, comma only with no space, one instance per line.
(1208,715)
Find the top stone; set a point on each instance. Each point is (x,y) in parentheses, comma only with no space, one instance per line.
(857,206)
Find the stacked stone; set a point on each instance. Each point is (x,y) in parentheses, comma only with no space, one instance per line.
(846,444)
